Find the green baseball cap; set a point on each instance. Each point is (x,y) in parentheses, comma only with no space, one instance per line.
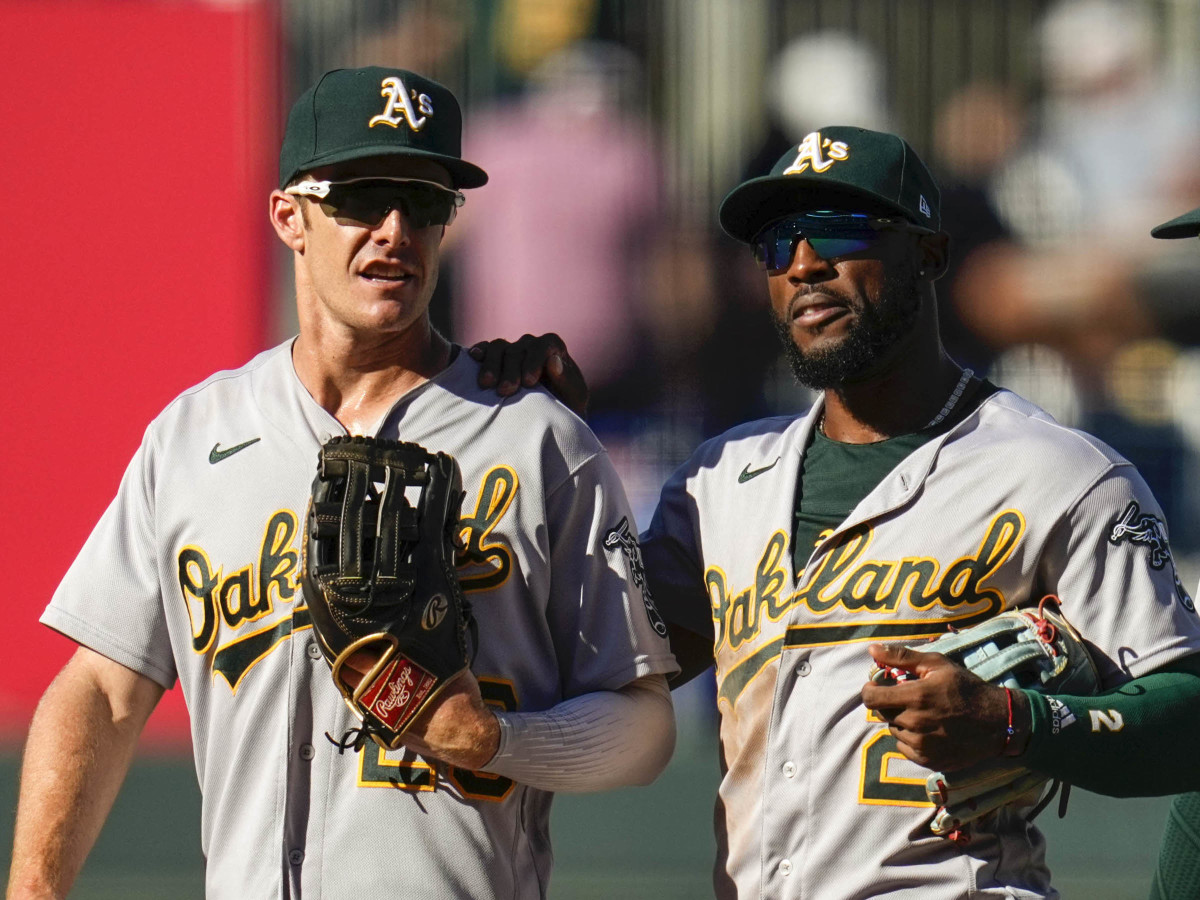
(1187,225)
(356,113)
(835,168)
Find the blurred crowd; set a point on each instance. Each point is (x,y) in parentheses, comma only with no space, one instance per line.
(1050,188)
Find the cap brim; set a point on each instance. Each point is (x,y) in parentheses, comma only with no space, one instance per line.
(1187,225)
(752,205)
(462,173)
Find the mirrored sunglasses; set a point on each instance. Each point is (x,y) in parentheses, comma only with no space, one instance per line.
(368,201)
(831,233)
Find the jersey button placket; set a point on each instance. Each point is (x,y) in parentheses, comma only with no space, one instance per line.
(313,651)
(296,856)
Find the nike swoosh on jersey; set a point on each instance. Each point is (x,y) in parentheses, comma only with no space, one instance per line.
(216,454)
(748,473)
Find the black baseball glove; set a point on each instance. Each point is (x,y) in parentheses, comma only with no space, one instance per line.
(1019,648)
(379,578)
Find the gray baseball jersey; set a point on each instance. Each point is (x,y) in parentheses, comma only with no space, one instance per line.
(816,801)
(192,574)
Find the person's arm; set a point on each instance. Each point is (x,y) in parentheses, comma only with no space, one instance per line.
(616,726)
(693,652)
(1110,743)
(594,742)
(1177,875)
(675,578)
(80,744)
(510,365)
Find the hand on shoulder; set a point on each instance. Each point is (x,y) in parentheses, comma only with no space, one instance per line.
(530,360)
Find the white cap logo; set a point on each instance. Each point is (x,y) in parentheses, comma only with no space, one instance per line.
(817,153)
(925,208)
(400,108)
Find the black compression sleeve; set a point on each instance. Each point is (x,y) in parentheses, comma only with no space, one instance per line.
(1112,743)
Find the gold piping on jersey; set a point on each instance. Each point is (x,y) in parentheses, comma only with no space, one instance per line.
(846,584)
(244,652)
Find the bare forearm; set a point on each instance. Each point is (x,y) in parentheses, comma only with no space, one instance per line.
(80,744)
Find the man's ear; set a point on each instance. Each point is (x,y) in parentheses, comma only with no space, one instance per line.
(288,219)
(933,255)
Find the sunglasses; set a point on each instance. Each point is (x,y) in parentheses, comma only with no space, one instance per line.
(831,233)
(368,201)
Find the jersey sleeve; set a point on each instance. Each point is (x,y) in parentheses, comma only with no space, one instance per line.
(606,629)
(1110,563)
(110,600)
(670,547)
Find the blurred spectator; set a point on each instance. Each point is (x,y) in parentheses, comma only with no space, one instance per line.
(1116,143)
(1114,152)
(559,238)
(528,32)
(822,78)
(975,132)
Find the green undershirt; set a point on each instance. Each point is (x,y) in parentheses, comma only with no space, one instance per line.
(1158,710)
(835,477)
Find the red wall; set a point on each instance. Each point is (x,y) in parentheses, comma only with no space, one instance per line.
(138,142)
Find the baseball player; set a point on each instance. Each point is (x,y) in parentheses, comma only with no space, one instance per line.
(192,573)
(914,497)
(1177,876)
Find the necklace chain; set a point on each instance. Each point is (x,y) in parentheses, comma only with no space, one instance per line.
(951,402)
(955,396)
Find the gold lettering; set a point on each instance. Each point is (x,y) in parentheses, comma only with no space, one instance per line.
(278,563)
(920,572)
(719,601)
(495,496)
(770,577)
(836,562)
(196,580)
(863,588)
(842,579)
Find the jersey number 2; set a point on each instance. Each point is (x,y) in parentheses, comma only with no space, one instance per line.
(876,786)
(376,770)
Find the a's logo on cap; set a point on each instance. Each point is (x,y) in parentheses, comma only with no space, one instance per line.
(924,207)
(400,107)
(812,153)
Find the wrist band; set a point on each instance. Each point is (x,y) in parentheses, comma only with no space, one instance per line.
(1010,730)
